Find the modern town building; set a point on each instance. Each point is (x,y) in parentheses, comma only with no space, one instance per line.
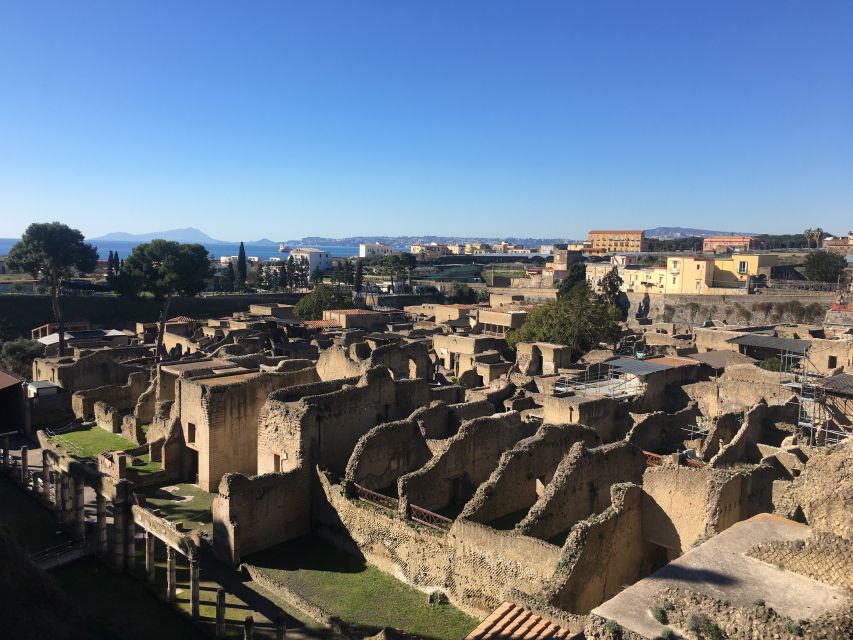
(616,241)
(717,244)
(318,260)
(374,250)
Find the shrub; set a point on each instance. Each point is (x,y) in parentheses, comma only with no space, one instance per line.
(703,627)
(667,634)
(794,628)
(659,614)
(760,603)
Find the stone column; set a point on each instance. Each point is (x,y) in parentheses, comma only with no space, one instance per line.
(103,543)
(194,586)
(58,496)
(25,467)
(220,612)
(67,483)
(170,574)
(80,507)
(249,628)
(5,446)
(130,542)
(45,474)
(118,536)
(280,626)
(150,558)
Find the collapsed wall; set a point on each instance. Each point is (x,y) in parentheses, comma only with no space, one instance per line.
(522,474)
(475,566)
(581,487)
(661,432)
(760,426)
(119,396)
(385,453)
(451,477)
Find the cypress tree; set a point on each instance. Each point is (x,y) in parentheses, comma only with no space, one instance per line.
(241,267)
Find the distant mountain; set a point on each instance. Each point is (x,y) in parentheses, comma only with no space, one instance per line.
(190,234)
(673,233)
(263,241)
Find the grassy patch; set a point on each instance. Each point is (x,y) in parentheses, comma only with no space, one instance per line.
(91,442)
(146,465)
(30,523)
(361,595)
(120,606)
(184,503)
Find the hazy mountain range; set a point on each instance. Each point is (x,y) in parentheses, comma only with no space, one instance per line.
(191,234)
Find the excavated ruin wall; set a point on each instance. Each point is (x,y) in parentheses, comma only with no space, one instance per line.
(662,432)
(475,566)
(121,397)
(601,555)
(255,513)
(470,456)
(581,487)
(525,469)
(385,453)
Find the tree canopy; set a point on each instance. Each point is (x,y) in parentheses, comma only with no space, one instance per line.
(320,299)
(824,266)
(575,275)
(53,252)
(581,320)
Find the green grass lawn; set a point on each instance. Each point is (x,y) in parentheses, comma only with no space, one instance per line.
(31,524)
(361,595)
(120,606)
(184,503)
(91,442)
(146,466)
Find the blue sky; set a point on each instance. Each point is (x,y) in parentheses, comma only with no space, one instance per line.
(284,119)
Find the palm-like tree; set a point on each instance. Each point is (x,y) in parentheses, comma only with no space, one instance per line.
(808,234)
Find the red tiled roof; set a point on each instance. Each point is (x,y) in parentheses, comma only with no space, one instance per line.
(512,622)
(352,312)
(322,324)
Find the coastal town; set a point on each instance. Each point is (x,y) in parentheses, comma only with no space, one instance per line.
(614,438)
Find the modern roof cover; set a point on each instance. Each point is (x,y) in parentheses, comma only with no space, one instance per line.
(772,342)
(841,384)
(721,359)
(7,380)
(85,334)
(637,367)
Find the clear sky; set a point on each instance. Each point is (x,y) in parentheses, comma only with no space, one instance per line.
(284,119)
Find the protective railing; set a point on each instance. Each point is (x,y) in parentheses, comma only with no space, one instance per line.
(429,518)
(378,499)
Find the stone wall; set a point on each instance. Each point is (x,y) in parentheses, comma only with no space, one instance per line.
(90,371)
(477,567)
(251,514)
(524,471)
(323,429)
(451,477)
(661,432)
(385,453)
(822,557)
(759,426)
(738,389)
(601,555)
(119,396)
(608,416)
(440,420)
(581,487)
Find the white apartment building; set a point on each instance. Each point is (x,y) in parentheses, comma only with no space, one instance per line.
(318,260)
(374,250)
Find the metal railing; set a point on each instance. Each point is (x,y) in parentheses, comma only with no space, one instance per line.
(378,499)
(430,519)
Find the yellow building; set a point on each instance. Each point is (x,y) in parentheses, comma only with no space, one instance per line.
(616,242)
(689,275)
(737,269)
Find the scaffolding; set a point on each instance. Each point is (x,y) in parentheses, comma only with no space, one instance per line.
(601,381)
(814,421)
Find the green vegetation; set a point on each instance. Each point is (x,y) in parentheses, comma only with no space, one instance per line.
(773,363)
(184,503)
(321,298)
(824,266)
(759,603)
(794,628)
(120,607)
(146,465)
(17,356)
(361,595)
(91,442)
(667,634)
(703,627)
(659,614)
(164,269)
(29,523)
(575,275)
(53,252)
(580,320)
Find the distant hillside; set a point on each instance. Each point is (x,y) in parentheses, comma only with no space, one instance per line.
(189,234)
(673,233)
(263,241)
